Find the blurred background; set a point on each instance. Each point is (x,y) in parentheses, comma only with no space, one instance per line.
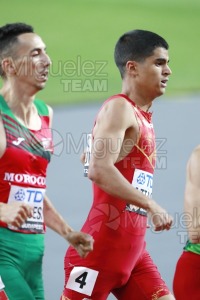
(80,36)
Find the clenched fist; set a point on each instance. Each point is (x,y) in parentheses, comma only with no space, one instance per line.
(159,217)
(82,242)
(15,213)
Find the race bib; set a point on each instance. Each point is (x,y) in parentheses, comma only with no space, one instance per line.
(34,197)
(142,181)
(88,154)
(82,280)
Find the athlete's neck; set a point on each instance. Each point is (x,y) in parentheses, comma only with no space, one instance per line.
(21,105)
(141,103)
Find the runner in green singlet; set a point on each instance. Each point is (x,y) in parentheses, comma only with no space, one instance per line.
(25,151)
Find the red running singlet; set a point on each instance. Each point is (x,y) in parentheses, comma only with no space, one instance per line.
(119,263)
(25,180)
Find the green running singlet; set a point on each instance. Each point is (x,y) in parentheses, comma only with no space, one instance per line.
(23,169)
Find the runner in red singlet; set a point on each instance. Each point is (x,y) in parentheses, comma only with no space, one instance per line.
(187,274)
(121,163)
(25,151)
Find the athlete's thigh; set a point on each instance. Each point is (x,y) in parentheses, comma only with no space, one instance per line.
(33,273)
(145,282)
(15,269)
(186,283)
(16,287)
(85,283)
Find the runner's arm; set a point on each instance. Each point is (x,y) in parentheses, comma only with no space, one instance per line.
(111,125)
(82,242)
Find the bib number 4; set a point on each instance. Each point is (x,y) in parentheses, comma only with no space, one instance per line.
(82,280)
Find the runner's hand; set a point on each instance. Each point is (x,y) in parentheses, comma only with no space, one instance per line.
(159,217)
(15,213)
(82,242)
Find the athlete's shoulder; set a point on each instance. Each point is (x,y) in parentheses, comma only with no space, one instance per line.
(118,101)
(196,150)
(115,112)
(193,165)
(195,156)
(120,97)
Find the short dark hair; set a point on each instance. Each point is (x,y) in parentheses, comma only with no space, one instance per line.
(136,45)
(8,37)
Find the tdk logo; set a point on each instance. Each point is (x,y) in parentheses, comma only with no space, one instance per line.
(141,179)
(30,195)
(145,179)
(20,195)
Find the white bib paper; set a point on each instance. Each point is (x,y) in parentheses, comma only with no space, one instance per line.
(82,280)
(142,181)
(34,197)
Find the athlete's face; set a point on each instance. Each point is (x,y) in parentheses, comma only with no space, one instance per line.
(152,74)
(32,62)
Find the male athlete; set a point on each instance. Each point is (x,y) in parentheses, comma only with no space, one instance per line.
(121,168)
(25,151)
(186,278)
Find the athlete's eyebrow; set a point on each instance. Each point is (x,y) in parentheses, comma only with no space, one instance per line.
(161,60)
(39,49)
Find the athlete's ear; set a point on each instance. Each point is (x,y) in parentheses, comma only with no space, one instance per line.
(8,66)
(131,67)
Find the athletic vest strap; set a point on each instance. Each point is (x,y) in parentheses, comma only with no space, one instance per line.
(40,105)
(4,107)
